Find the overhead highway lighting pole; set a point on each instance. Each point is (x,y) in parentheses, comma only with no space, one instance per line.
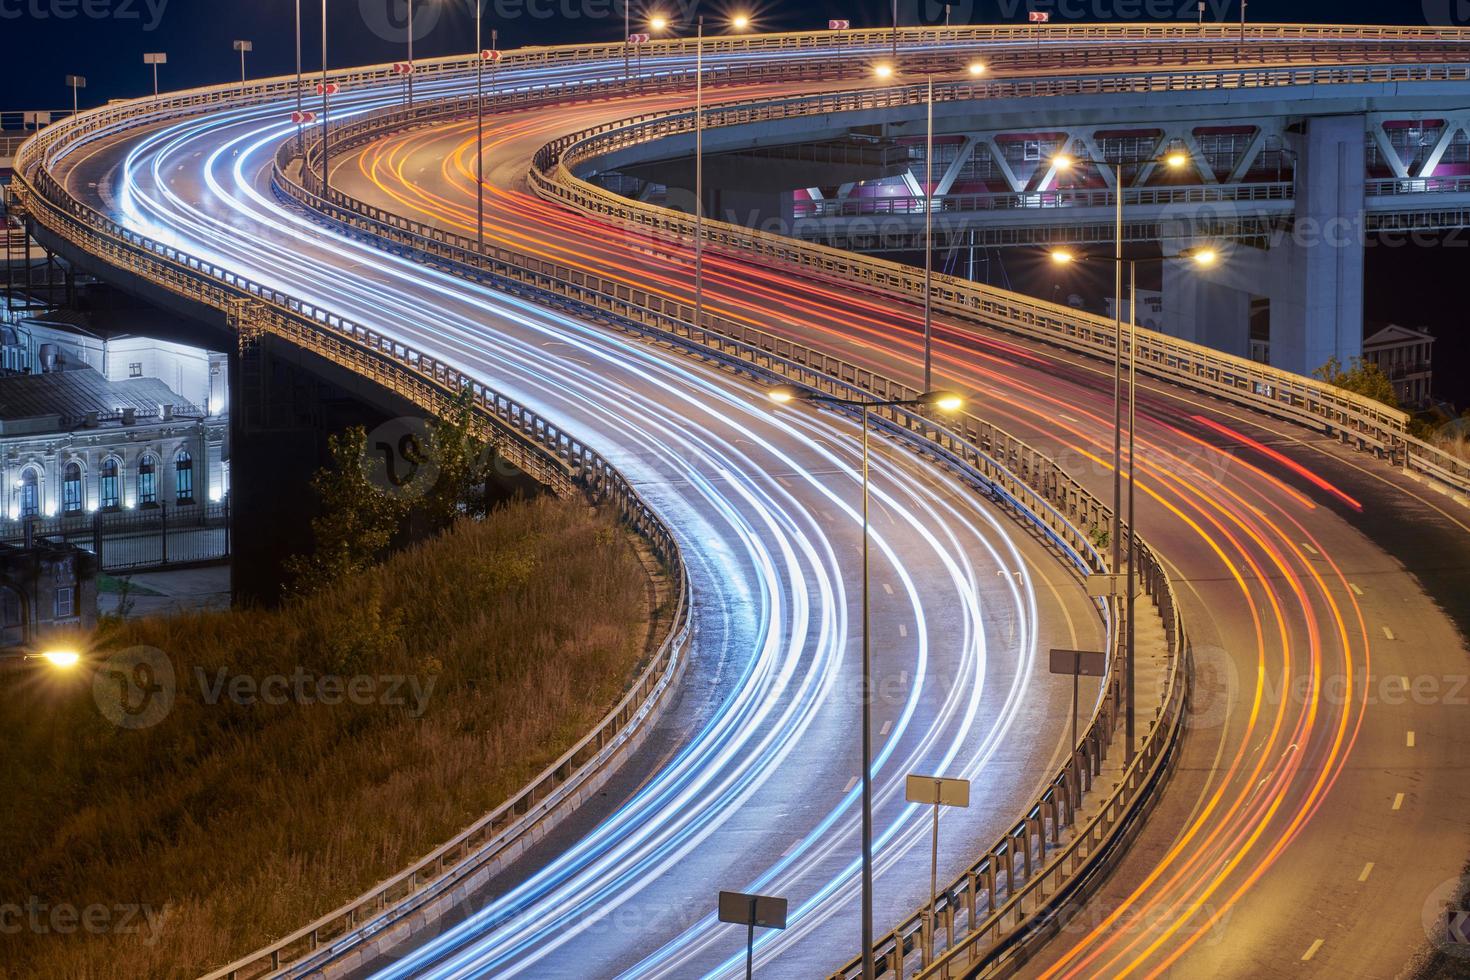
(300,126)
(699,172)
(326,93)
(1204,257)
(944,401)
(410,54)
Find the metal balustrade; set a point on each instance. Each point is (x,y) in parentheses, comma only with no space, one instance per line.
(1352,418)
(1013,473)
(1172,194)
(1009,471)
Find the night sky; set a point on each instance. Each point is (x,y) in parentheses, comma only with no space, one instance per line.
(43,40)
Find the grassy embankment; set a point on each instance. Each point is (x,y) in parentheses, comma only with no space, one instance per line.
(229,822)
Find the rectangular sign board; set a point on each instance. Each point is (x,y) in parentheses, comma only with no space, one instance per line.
(759,910)
(1083,663)
(937,789)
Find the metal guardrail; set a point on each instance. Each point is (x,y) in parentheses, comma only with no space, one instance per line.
(1393,186)
(366,350)
(535,445)
(1006,468)
(1334,411)
(1046,200)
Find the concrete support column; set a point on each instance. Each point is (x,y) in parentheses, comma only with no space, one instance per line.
(1317,294)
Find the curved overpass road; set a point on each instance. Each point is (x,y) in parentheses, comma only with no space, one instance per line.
(749,781)
(1321,793)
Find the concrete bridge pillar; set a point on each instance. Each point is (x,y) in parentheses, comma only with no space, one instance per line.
(1312,274)
(1317,294)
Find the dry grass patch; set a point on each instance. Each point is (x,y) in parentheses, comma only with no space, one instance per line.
(227,823)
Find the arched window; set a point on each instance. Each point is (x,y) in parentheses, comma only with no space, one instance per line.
(71,489)
(147,480)
(184,477)
(107,484)
(30,493)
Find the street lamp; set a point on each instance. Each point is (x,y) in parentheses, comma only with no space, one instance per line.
(944,401)
(740,22)
(884,71)
(62,659)
(658,23)
(481,56)
(1205,257)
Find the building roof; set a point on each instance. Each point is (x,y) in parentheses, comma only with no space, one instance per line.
(76,393)
(1395,334)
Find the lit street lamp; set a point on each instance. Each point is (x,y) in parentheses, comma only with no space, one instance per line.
(1205,257)
(944,401)
(885,71)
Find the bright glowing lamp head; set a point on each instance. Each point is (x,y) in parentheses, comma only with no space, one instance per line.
(1205,258)
(740,22)
(945,401)
(783,394)
(977,68)
(658,22)
(883,71)
(1176,160)
(1062,256)
(62,659)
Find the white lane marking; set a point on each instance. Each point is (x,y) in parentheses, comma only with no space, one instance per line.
(1367,870)
(784,482)
(850,784)
(1310,549)
(888,588)
(1411,740)
(903,630)
(887,727)
(1354,587)
(1398,801)
(1312,950)
(1387,633)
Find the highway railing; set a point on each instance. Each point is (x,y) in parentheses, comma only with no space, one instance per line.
(535,445)
(1172,194)
(1352,418)
(1007,878)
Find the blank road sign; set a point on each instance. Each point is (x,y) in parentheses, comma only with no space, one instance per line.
(937,789)
(155,58)
(1083,663)
(767,912)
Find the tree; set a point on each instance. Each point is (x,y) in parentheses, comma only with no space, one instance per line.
(464,462)
(356,521)
(1361,377)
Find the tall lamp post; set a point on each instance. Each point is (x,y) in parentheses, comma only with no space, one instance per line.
(1205,257)
(944,401)
(482,56)
(883,72)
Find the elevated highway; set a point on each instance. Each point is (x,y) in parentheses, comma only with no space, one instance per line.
(1283,539)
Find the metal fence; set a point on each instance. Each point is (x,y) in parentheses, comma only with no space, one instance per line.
(1012,874)
(1353,418)
(135,540)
